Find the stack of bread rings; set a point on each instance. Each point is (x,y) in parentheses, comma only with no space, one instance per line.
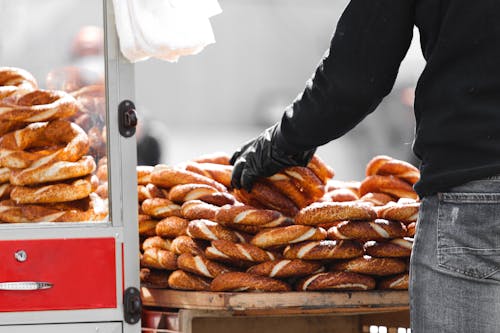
(45,170)
(198,233)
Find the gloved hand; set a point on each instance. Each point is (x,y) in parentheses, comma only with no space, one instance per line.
(263,157)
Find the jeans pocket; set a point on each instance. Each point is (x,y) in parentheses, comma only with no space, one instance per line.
(468,233)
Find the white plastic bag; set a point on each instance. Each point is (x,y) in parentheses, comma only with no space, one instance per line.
(164,29)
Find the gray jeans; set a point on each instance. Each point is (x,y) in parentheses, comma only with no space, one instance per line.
(455,262)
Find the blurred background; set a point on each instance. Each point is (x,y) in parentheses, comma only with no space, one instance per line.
(264,53)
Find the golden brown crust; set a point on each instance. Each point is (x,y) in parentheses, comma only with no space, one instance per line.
(323,250)
(147,227)
(218,172)
(287,235)
(150,191)
(185,192)
(267,196)
(390,185)
(223,250)
(168,177)
(216,158)
(340,195)
(411,229)
(378,229)
(396,282)
(385,166)
(59,192)
(172,227)
(160,208)
(307,181)
(371,266)
(160,259)
(405,212)
(144,174)
(320,169)
(154,278)
(395,248)
(376,199)
(285,268)
(182,280)
(239,281)
(247,215)
(287,187)
(157,242)
(325,212)
(197,209)
(202,266)
(209,230)
(185,244)
(17,77)
(336,281)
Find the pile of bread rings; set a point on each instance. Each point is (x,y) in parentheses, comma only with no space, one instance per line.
(197,233)
(46,171)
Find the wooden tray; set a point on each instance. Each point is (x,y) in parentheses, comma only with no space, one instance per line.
(279,303)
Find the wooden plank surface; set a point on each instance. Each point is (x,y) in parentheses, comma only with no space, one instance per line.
(279,303)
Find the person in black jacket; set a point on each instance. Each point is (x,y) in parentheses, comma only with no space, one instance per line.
(455,263)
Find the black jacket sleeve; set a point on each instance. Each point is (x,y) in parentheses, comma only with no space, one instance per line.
(359,70)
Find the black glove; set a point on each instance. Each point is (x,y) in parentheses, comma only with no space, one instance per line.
(263,157)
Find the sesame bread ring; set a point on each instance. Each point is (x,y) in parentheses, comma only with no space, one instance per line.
(172,227)
(376,199)
(218,172)
(57,171)
(57,192)
(324,250)
(39,105)
(182,280)
(147,227)
(160,208)
(5,190)
(102,190)
(320,169)
(150,191)
(287,235)
(336,281)
(185,244)
(396,282)
(14,145)
(395,248)
(248,215)
(209,230)
(269,197)
(168,177)
(385,166)
(197,209)
(144,174)
(201,266)
(340,195)
(19,213)
(239,281)
(285,268)
(306,181)
(324,212)
(216,158)
(378,229)
(160,259)
(236,252)
(285,185)
(17,77)
(404,212)
(219,199)
(371,266)
(4,175)
(390,185)
(157,242)
(154,278)
(185,192)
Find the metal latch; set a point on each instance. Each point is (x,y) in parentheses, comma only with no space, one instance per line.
(25,285)
(132,305)
(127,118)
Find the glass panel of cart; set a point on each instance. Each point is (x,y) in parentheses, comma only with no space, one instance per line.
(52,112)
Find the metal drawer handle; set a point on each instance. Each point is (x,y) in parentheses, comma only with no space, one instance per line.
(25,285)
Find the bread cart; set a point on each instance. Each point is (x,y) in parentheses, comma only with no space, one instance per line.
(79,276)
